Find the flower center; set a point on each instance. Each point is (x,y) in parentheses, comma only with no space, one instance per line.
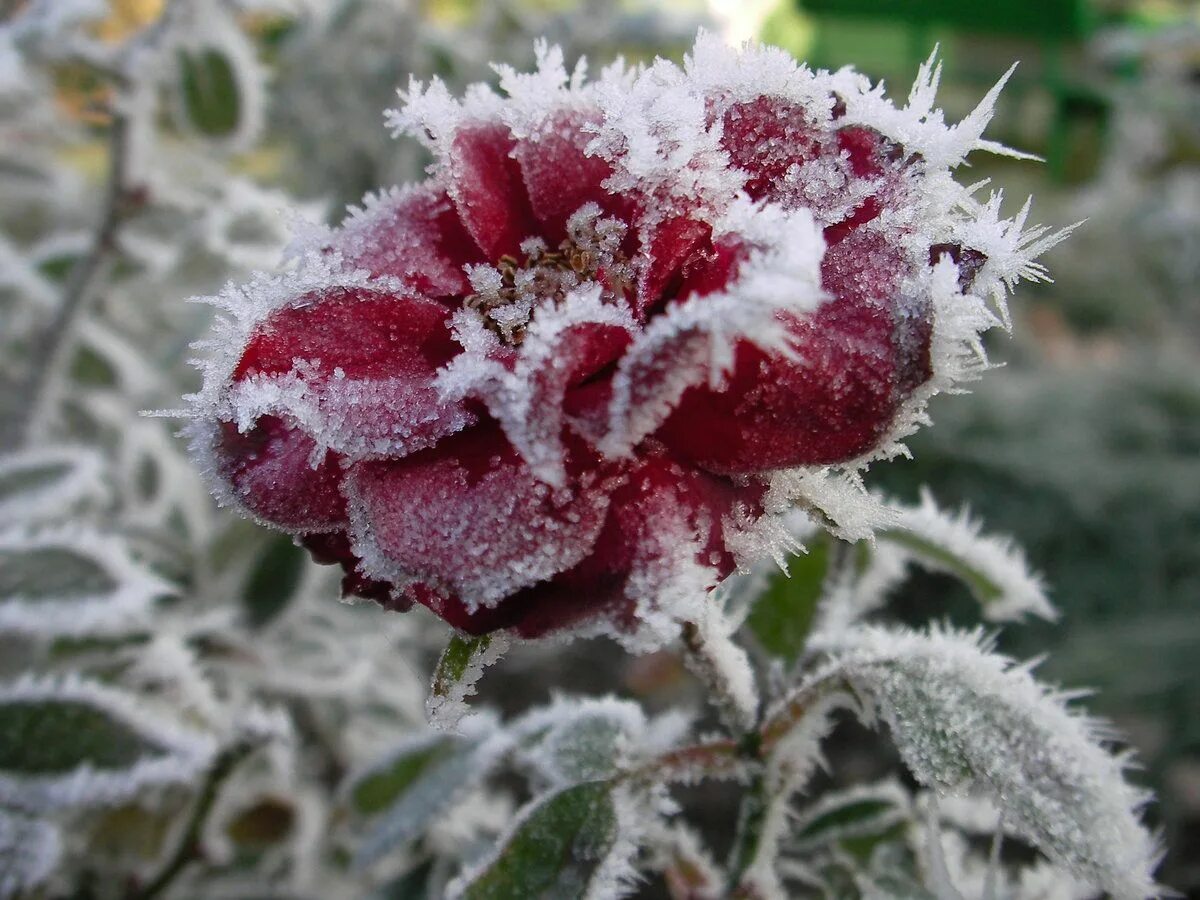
(507,294)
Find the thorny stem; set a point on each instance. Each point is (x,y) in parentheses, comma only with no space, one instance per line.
(189,850)
(752,816)
(51,352)
(750,748)
(705,667)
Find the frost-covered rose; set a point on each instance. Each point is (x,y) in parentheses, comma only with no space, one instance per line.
(577,377)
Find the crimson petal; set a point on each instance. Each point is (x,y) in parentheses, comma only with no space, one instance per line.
(355,367)
(488,190)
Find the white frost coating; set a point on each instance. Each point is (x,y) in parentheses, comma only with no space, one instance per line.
(29,852)
(1012,591)
(889,793)
(718,661)
(637,812)
(180,755)
(527,401)
(793,761)
(579,739)
(76,476)
(693,342)
(119,606)
(918,125)
(853,597)
(656,134)
(967,720)
(1011,248)
(841,500)
(446,709)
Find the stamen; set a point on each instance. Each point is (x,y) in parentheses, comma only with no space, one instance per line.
(507,294)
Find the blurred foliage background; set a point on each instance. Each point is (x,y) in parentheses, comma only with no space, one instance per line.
(1085,445)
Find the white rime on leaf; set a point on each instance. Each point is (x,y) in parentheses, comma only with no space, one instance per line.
(96,745)
(47,482)
(458,671)
(994,569)
(72,581)
(968,720)
(29,851)
(457,767)
(578,738)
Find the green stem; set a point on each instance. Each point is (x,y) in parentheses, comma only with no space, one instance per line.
(189,849)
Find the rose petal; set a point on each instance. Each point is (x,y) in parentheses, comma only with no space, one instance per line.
(488,189)
(859,357)
(414,235)
(469,516)
(270,469)
(560,176)
(659,508)
(671,245)
(765,137)
(354,368)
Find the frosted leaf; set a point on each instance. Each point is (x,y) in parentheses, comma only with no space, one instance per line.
(861,589)
(583,739)
(418,782)
(852,812)
(993,568)
(965,719)
(71,582)
(29,852)
(686,865)
(718,660)
(48,482)
(70,742)
(839,500)
(458,671)
(577,842)
(220,91)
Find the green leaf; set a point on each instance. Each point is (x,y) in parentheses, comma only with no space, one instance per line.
(994,570)
(209,87)
(782,616)
(43,737)
(577,739)
(73,583)
(41,574)
(415,785)
(69,741)
(458,671)
(381,786)
(273,581)
(555,850)
(31,478)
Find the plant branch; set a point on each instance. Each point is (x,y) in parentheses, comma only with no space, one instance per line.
(50,354)
(189,850)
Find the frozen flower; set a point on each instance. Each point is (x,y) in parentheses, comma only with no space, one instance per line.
(576,377)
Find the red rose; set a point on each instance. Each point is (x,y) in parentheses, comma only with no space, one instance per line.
(554,384)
